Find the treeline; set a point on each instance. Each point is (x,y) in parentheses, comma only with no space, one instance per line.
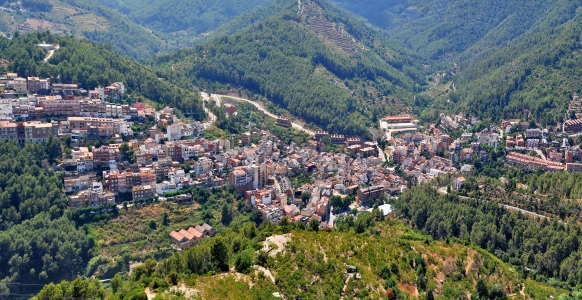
(124,36)
(193,16)
(39,242)
(91,65)
(560,184)
(540,248)
(278,59)
(532,75)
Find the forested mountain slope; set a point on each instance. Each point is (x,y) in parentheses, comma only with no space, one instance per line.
(315,61)
(514,58)
(83,19)
(188,18)
(38,242)
(392,262)
(91,65)
(136,29)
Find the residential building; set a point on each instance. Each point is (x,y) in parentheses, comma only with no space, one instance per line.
(56,106)
(174,132)
(532,163)
(36,85)
(37,132)
(185,239)
(370,193)
(407,118)
(143,192)
(573,125)
(337,138)
(242,179)
(458,183)
(283,122)
(8,130)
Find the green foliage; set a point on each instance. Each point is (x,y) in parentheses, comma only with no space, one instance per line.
(192,17)
(33,239)
(152,224)
(340,203)
(516,60)
(288,48)
(243,262)
(226,214)
(517,239)
(165,219)
(78,289)
(37,5)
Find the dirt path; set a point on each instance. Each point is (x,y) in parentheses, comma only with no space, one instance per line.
(266,272)
(50,53)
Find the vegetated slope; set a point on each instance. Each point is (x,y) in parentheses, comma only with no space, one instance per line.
(83,19)
(320,64)
(514,58)
(533,76)
(184,19)
(542,249)
(91,65)
(392,260)
(39,242)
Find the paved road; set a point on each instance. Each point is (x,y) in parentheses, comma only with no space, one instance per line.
(443,190)
(212,116)
(259,107)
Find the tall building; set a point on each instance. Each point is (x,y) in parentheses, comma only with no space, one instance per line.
(36,132)
(242,179)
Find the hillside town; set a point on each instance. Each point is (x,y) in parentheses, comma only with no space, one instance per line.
(113,160)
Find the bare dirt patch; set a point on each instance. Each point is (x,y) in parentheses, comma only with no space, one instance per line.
(189,293)
(36,24)
(409,288)
(276,243)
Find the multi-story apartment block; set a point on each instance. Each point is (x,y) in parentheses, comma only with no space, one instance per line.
(92,108)
(283,122)
(89,198)
(174,132)
(143,192)
(242,179)
(8,130)
(56,106)
(36,84)
(370,193)
(337,138)
(37,132)
(573,125)
(103,155)
(18,85)
(321,134)
(115,181)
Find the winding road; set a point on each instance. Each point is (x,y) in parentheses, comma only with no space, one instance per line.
(443,190)
(217,97)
